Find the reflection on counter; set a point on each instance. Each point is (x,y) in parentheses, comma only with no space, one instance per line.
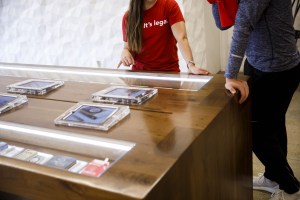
(182,81)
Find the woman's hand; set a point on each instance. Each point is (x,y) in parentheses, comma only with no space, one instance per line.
(127,58)
(197,70)
(232,85)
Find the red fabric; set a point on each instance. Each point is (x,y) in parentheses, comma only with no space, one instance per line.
(212,1)
(159,50)
(227,11)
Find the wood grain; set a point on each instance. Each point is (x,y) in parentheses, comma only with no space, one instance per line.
(189,145)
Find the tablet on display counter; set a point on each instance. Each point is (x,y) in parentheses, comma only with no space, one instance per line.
(92,115)
(124,95)
(34,86)
(10,101)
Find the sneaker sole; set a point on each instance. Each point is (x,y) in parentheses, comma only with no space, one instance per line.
(267,189)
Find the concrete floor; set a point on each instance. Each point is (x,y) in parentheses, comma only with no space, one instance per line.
(293,129)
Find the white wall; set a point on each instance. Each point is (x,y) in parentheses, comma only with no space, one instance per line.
(194,18)
(61,32)
(82,32)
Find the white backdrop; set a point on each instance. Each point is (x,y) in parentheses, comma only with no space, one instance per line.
(61,32)
(87,33)
(83,33)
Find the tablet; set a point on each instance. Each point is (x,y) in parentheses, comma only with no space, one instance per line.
(34,86)
(92,115)
(10,101)
(124,95)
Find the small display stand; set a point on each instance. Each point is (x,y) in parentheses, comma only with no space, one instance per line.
(124,95)
(92,115)
(10,101)
(34,86)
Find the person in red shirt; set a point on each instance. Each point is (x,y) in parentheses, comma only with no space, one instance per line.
(151,30)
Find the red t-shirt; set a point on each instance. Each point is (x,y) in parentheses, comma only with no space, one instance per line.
(159,50)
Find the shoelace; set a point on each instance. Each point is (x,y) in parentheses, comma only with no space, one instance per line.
(278,195)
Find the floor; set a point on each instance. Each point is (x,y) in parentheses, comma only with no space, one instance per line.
(293,129)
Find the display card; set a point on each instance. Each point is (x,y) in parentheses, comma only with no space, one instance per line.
(124,95)
(27,154)
(78,166)
(40,158)
(95,168)
(91,115)
(34,86)
(11,151)
(61,162)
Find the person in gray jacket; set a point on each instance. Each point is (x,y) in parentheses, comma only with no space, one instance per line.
(263,31)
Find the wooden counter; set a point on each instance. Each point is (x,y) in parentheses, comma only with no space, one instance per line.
(190,145)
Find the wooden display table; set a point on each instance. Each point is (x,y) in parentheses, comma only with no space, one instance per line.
(189,145)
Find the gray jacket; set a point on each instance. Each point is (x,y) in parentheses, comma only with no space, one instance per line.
(264,30)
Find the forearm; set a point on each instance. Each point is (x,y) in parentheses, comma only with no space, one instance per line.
(185,50)
(237,51)
(179,33)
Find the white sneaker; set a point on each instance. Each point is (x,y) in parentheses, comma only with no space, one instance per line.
(281,195)
(260,182)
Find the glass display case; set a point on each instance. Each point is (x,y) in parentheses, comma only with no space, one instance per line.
(76,153)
